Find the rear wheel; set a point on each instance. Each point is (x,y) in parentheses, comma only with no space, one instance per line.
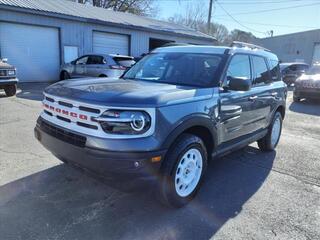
(271,140)
(183,170)
(10,90)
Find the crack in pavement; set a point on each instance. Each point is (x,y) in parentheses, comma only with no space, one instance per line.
(12,152)
(299,178)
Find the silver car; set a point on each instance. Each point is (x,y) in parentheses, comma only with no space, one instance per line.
(96,65)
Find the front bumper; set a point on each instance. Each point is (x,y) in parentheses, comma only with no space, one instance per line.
(71,147)
(307,92)
(8,81)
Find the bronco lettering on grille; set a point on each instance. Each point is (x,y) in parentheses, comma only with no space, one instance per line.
(65,112)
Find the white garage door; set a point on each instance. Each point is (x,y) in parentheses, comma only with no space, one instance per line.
(110,43)
(33,50)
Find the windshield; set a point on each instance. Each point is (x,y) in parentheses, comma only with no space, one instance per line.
(193,69)
(313,70)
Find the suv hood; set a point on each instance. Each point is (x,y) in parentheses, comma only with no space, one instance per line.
(131,93)
(5,65)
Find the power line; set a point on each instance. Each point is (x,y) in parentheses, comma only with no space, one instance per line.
(250,29)
(271,10)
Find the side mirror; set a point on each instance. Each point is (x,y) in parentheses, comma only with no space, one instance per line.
(239,84)
(73,62)
(4,60)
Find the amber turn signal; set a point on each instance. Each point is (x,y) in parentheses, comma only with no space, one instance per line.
(156,159)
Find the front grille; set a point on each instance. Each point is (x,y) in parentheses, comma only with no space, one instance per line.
(66,104)
(62,134)
(91,110)
(3,73)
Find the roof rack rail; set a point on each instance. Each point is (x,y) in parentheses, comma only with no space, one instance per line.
(248,45)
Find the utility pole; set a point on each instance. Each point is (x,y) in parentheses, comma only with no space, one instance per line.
(209,15)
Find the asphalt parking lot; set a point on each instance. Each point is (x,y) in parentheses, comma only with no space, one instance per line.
(246,195)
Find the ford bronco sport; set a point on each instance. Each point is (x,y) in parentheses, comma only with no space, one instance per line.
(167,116)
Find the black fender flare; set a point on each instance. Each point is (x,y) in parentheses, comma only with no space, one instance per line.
(195,120)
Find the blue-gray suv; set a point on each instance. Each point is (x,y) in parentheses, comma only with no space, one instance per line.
(168,115)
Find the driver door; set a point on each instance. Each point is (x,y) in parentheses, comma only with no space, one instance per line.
(236,107)
(80,67)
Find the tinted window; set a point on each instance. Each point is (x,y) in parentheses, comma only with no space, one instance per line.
(194,69)
(82,60)
(95,60)
(239,67)
(124,61)
(293,67)
(261,73)
(274,70)
(302,67)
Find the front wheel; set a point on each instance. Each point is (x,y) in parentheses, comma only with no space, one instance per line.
(10,90)
(271,140)
(183,170)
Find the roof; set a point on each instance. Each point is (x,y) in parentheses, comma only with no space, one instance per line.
(64,8)
(216,50)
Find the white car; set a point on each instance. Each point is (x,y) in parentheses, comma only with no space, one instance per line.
(96,65)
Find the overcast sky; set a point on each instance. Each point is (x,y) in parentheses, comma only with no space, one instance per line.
(253,14)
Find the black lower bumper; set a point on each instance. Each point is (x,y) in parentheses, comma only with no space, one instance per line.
(307,93)
(8,81)
(105,163)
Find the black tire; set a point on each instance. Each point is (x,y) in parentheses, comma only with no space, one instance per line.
(10,90)
(265,143)
(64,75)
(184,143)
(103,76)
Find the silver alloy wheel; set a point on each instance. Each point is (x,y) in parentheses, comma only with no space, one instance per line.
(275,132)
(188,172)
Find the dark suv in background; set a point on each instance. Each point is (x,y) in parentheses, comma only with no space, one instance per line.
(291,71)
(172,112)
(8,78)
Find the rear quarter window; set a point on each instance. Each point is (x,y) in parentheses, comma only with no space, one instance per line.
(274,70)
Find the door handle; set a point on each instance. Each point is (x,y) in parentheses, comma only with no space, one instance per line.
(252,98)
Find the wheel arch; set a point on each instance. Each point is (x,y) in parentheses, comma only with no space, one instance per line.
(201,126)
(282,110)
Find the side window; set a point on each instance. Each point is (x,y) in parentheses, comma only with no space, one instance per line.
(275,70)
(293,68)
(82,60)
(261,72)
(302,67)
(95,60)
(239,67)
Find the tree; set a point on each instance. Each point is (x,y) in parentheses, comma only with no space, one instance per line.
(139,7)
(242,36)
(195,17)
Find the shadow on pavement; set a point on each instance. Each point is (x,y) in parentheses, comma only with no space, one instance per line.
(308,106)
(62,203)
(32,91)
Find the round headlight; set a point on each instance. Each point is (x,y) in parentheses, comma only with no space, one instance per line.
(130,122)
(138,122)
